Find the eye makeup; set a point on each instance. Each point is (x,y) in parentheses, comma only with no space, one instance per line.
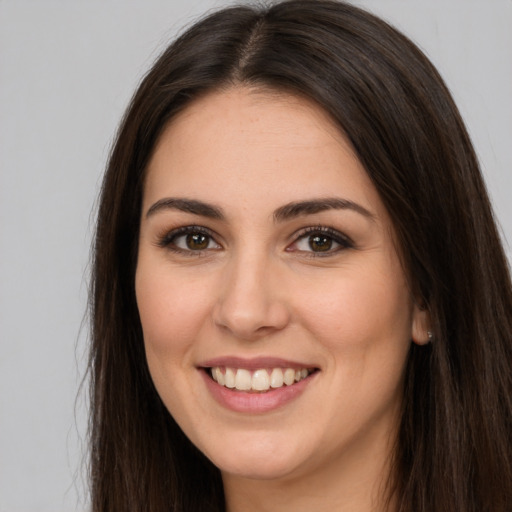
(311,241)
(189,240)
(320,241)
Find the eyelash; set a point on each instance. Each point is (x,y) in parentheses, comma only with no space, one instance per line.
(168,240)
(342,240)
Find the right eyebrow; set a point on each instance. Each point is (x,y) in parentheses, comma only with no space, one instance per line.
(186,205)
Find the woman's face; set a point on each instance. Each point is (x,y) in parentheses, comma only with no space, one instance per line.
(276,316)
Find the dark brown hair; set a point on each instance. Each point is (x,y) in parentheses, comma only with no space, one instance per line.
(454,447)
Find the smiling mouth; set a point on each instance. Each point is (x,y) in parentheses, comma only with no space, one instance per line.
(258,381)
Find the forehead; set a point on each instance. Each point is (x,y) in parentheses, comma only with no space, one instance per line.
(246,144)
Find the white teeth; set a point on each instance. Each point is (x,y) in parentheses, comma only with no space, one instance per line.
(276,378)
(219,376)
(229,378)
(259,380)
(243,381)
(289,376)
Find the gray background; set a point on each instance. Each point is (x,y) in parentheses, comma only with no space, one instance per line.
(67,70)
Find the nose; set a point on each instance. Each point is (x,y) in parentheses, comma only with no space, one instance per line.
(251,303)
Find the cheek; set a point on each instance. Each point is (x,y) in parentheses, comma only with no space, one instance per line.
(358,309)
(363,321)
(171,309)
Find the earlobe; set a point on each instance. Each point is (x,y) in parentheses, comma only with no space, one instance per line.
(421,331)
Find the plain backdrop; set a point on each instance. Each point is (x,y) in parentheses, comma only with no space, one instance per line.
(67,71)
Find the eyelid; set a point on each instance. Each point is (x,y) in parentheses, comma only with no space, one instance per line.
(165,240)
(340,238)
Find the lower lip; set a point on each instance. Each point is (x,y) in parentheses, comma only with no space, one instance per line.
(255,403)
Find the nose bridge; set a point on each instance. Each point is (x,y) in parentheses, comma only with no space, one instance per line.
(250,304)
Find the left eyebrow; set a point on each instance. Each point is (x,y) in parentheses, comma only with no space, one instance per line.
(296,209)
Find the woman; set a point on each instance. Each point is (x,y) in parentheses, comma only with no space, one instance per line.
(300,299)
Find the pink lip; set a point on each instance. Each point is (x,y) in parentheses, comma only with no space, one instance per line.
(256,363)
(254,402)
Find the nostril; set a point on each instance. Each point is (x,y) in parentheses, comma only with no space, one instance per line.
(249,306)
(251,323)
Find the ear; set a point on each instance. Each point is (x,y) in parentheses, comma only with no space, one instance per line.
(421,330)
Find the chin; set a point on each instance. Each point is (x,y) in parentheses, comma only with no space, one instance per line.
(256,469)
(259,460)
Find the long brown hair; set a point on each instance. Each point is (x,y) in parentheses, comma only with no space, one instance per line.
(454,447)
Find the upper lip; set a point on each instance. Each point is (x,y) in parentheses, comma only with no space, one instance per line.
(255,363)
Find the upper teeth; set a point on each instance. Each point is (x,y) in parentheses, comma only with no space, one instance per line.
(258,380)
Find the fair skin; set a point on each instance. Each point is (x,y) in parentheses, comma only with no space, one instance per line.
(265,247)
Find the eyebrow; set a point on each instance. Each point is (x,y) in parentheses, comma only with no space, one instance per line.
(186,205)
(283,213)
(296,209)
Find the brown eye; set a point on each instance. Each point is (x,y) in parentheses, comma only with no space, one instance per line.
(189,239)
(197,241)
(320,243)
